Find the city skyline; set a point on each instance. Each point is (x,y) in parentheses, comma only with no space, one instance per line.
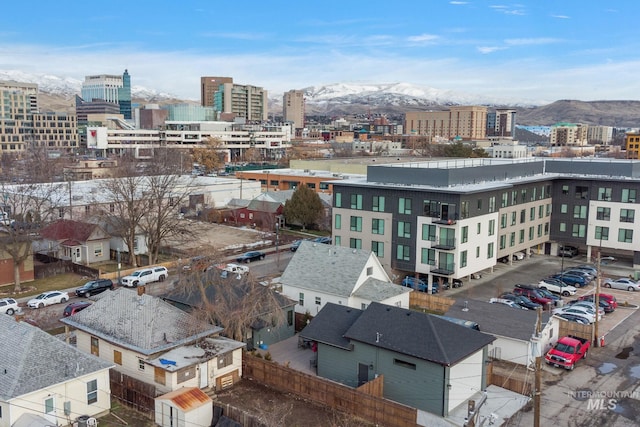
(536,51)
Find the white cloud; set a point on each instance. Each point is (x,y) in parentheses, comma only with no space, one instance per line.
(531,41)
(423,38)
(489,49)
(458,2)
(561,16)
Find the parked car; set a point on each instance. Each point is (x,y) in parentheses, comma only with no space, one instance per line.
(567,251)
(518,256)
(48,298)
(419,285)
(324,240)
(557,286)
(571,317)
(8,306)
(295,245)
(578,272)
(571,279)
(197,263)
(581,311)
(550,295)
(251,256)
(507,302)
(94,287)
(608,298)
(522,301)
(602,303)
(534,295)
(623,283)
(75,307)
(567,351)
(144,276)
(588,304)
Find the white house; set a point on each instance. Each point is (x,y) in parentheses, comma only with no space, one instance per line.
(44,381)
(151,340)
(318,274)
(188,406)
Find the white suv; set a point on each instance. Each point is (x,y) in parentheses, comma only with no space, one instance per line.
(8,306)
(144,276)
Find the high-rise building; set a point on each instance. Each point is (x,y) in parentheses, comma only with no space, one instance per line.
(110,88)
(464,122)
(632,142)
(245,101)
(502,123)
(565,134)
(209,86)
(293,108)
(18,103)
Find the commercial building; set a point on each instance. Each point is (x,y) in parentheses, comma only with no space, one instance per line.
(451,219)
(632,142)
(464,122)
(502,123)
(600,134)
(18,103)
(231,101)
(568,134)
(110,88)
(55,130)
(290,179)
(293,108)
(209,86)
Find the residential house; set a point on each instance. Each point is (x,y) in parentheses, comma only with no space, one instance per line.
(319,274)
(156,343)
(81,242)
(266,328)
(44,381)
(426,362)
(514,329)
(7,276)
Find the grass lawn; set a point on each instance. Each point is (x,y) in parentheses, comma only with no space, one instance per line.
(121,415)
(59,282)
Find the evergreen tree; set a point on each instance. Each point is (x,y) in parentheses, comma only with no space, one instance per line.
(304,207)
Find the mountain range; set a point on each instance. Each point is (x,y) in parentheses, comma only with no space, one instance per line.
(347,99)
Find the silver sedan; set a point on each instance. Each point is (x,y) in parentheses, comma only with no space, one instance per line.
(623,283)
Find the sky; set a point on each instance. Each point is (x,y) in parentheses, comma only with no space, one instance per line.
(530,50)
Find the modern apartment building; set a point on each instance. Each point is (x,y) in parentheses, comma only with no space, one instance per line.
(568,134)
(600,134)
(209,86)
(55,130)
(244,101)
(111,88)
(451,219)
(293,108)
(464,122)
(501,123)
(18,103)
(632,142)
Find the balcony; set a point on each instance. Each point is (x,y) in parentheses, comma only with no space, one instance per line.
(443,269)
(444,244)
(444,221)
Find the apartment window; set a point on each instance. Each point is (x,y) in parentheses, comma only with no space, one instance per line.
(301,299)
(602,233)
(463,259)
(378,203)
(512,238)
(225,360)
(541,211)
(533,194)
(464,209)
(628,195)
(479,204)
(95,346)
(92,392)
(355,243)
(492,204)
(429,232)
(565,189)
(625,235)
(505,200)
(402,252)
(404,229)
(404,205)
(503,241)
(539,230)
(356,223)
(514,217)
(580,212)
(546,228)
(521,234)
(377,226)
(338,200)
(627,215)
(490,250)
(478,228)
(579,230)
(563,226)
(503,220)
(604,194)
(582,192)
(337,240)
(532,232)
(465,234)
(523,216)
(356,201)
(431,208)
(603,214)
(548,210)
(428,256)
(318,301)
(377,248)
(523,195)
(477,251)
(514,197)
(532,214)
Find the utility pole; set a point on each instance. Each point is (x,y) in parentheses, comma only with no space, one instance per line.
(538,379)
(596,300)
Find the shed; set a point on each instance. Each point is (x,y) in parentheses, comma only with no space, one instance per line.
(188,406)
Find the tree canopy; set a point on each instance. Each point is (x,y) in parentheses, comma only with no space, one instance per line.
(209,156)
(304,207)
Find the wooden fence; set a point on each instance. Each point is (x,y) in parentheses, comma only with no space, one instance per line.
(515,380)
(430,303)
(133,393)
(374,409)
(51,266)
(576,329)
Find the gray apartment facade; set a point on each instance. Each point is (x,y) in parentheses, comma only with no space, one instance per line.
(451,219)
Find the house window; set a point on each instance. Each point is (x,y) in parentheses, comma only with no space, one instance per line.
(323,185)
(628,195)
(97,250)
(627,215)
(92,392)
(117,357)
(377,248)
(48,405)
(404,229)
(338,221)
(112,208)
(290,318)
(404,205)
(140,364)
(625,235)
(87,209)
(356,223)
(369,271)
(378,204)
(402,252)
(604,194)
(377,226)
(603,214)
(225,360)
(60,212)
(318,301)
(355,243)
(356,201)
(404,364)
(602,233)
(363,306)
(185,374)
(338,200)
(301,299)
(95,346)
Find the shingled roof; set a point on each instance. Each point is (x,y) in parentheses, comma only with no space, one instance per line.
(33,359)
(69,230)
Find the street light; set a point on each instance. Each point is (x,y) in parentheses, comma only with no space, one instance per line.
(277,243)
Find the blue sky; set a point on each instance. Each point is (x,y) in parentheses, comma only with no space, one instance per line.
(525,50)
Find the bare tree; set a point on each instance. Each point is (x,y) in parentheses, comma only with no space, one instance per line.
(209,156)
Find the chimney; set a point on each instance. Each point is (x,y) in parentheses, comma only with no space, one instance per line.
(141,290)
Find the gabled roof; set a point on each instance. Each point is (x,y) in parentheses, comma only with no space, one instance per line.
(32,360)
(378,290)
(325,268)
(71,231)
(330,325)
(264,206)
(238,203)
(276,196)
(498,319)
(142,323)
(399,330)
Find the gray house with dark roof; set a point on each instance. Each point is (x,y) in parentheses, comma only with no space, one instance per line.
(428,363)
(514,329)
(44,381)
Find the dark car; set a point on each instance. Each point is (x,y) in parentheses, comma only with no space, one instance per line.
(324,240)
(534,295)
(610,299)
(571,279)
(197,263)
(94,287)
(573,318)
(603,303)
(419,285)
(567,251)
(522,301)
(550,295)
(295,245)
(75,307)
(251,256)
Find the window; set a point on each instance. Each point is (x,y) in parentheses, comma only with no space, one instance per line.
(428,256)
(87,209)
(582,192)
(463,259)
(532,233)
(140,364)
(533,194)
(112,208)
(627,215)
(318,301)
(355,243)
(369,271)
(503,220)
(465,234)
(478,228)
(404,364)
(564,208)
(548,210)
(539,230)
(477,251)
(604,194)
(97,250)
(492,227)
(563,226)
(628,195)
(356,201)
(523,195)
(490,250)
(338,200)
(505,200)
(512,238)
(377,248)
(503,241)
(580,211)
(431,208)
(521,234)
(95,346)
(625,235)
(378,204)
(290,318)
(523,216)
(429,232)
(492,204)
(92,392)
(117,357)
(356,223)
(301,299)
(565,189)
(49,405)
(337,223)
(377,226)
(514,197)
(402,252)
(602,233)
(578,230)
(60,212)
(464,209)
(404,229)
(404,205)
(225,360)
(514,217)
(337,240)
(541,211)
(479,204)
(603,214)
(532,214)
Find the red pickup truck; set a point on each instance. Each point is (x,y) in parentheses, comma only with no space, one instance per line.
(567,351)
